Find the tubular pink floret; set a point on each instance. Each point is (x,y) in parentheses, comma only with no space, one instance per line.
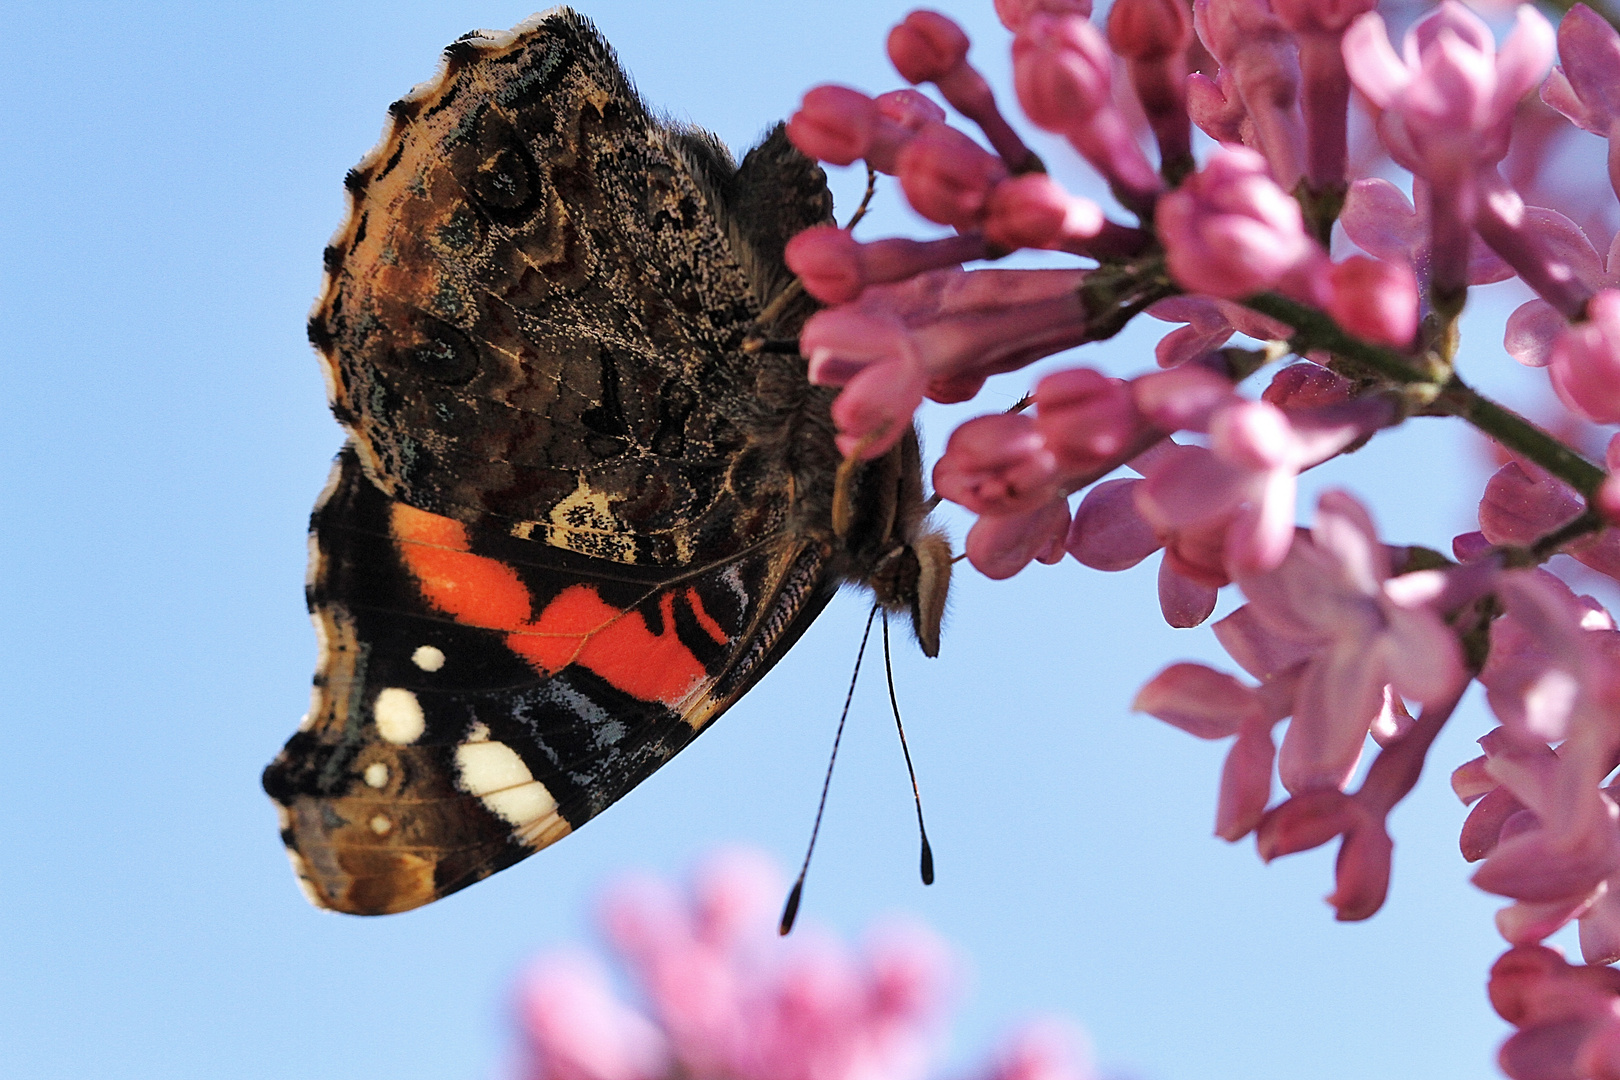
(910,109)
(1585,365)
(834,124)
(1033,211)
(1149,29)
(940,333)
(835,267)
(1375,300)
(1231,232)
(1063,71)
(1153,36)
(1015,13)
(841,126)
(947,177)
(1000,545)
(1260,75)
(1086,418)
(998,464)
(928,47)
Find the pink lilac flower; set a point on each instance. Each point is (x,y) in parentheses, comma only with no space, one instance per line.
(1368,630)
(1536,324)
(1445,112)
(1522,504)
(928,47)
(1033,211)
(727,998)
(938,334)
(835,267)
(1153,36)
(1210,323)
(1015,471)
(576,1029)
(947,177)
(1551,679)
(1585,361)
(1247,476)
(1308,386)
(1318,27)
(1446,106)
(1260,76)
(842,126)
(1229,231)
(1374,300)
(1063,72)
(724,997)
(1586,88)
(1215,106)
(1211,704)
(1381,220)
(1109,533)
(1567,1016)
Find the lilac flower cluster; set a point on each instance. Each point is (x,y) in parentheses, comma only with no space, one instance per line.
(1346,637)
(727,999)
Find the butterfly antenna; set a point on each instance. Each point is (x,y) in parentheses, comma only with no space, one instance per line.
(894,703)
(791,910)
(866,200)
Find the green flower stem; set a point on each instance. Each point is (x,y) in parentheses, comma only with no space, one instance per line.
(1438,389)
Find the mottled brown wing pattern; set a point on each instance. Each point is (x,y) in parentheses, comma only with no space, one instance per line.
(534,314)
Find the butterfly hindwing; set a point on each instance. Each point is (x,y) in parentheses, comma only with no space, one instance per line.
(480,696)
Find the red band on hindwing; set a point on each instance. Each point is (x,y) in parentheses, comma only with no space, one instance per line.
(576,627)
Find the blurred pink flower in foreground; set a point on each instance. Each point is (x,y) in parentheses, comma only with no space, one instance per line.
(727,999)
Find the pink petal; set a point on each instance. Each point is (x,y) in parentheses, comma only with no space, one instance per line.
(1001,545)
(1108,532)
(1371,61)
(1600,929)
(1339,697)
(1258,648)
(1184,603)
(1523,59)
(1199,700)
(1245,783)
(1530,332)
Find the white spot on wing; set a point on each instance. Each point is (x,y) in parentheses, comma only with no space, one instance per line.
(399,716)
(380,825)
(497,775)
(428,658)
(377,774)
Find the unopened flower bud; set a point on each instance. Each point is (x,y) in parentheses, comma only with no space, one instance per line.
(1375,300)
(1015,13)
(947,177)
(1149,29)
(927,46)
(1585,365)
(1034,211)
(1231,232)
(834,124)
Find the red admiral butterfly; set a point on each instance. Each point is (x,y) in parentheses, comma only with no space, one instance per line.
(575,519)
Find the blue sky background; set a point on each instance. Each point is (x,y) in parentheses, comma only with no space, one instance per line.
(173,171)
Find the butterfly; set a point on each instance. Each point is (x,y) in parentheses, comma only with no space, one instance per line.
(575,518)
